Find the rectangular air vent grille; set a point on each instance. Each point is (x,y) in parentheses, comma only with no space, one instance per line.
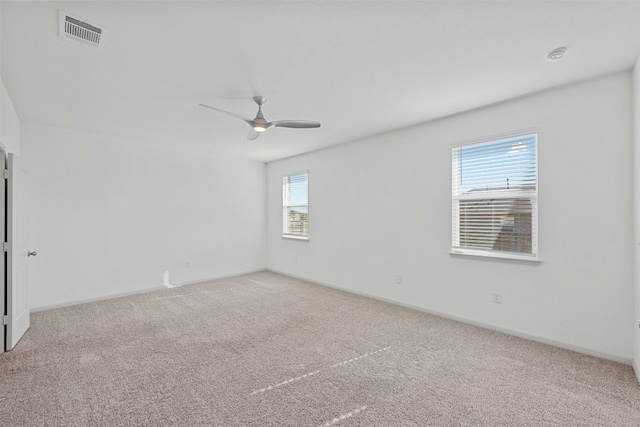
(81,31)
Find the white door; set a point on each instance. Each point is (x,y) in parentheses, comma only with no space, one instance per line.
(3,190)
(18,252)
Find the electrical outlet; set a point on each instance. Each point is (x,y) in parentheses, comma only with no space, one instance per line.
(188,264)
(496,297)
(398,279)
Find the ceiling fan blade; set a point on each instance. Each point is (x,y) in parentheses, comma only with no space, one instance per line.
(299,124)
(249,121)
(253,135)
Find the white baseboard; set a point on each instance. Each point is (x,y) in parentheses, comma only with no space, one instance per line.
(507,331)
(138,291)
(94,299)
(365,294)
(195,282)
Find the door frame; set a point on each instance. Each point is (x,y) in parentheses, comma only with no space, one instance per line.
(3,238)
(17,251)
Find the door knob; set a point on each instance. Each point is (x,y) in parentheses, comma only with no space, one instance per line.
(34,253)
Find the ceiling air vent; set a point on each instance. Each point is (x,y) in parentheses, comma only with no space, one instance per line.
(79,30)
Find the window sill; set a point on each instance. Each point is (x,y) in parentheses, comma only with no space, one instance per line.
(504,256)
(292,237)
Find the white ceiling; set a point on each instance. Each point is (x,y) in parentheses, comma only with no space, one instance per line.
(358,67)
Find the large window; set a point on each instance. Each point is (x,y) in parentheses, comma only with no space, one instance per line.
(495,198)
(295,205)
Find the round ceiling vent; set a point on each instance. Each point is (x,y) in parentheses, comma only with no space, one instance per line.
(556,54)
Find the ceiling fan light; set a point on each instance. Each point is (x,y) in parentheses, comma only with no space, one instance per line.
(259,128)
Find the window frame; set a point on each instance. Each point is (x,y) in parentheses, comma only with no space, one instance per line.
(285,206)
(532,195)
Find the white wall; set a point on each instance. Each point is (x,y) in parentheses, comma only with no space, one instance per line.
(110,216)
(636,216)
(9,123)
(380,207)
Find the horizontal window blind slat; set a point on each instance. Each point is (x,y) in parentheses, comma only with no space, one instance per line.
(494,196)
(505,162)
(511,172)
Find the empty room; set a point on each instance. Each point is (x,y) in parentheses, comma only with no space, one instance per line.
(320,213)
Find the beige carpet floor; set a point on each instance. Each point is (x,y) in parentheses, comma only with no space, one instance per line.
(268,350)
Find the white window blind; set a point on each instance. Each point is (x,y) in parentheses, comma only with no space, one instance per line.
(295,204)
(495,198)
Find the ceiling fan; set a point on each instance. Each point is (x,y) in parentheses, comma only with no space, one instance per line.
(259,124)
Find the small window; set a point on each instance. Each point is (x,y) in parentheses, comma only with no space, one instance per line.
(295,205)
(495,198)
